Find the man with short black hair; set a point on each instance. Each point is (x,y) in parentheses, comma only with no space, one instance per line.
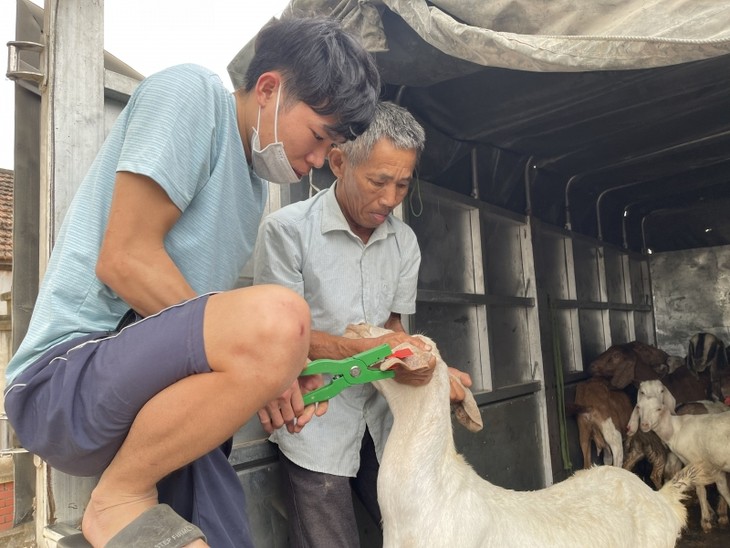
(141,357)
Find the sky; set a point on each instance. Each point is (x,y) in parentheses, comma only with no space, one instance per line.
(150,35)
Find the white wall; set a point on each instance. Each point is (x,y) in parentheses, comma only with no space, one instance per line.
(691,295)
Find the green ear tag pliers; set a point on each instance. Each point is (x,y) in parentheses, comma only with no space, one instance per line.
(347,372)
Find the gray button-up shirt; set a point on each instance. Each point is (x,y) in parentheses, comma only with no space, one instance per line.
(309,247)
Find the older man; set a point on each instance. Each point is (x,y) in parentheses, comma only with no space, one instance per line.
(352,261)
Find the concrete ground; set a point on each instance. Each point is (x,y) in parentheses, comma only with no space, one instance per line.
(695,537)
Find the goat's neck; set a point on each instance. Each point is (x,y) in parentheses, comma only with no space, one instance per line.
(666,426)
(422,428)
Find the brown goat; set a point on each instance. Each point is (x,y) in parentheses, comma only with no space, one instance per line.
(627,365)
(602,415)
(687,386)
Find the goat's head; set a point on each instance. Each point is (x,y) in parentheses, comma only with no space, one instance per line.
(646,415)
(706,350)
(618,364)
(649,354)
(652,401)
(436,391)
(655,389)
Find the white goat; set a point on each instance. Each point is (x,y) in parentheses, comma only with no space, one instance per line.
(693,438)
(429,495)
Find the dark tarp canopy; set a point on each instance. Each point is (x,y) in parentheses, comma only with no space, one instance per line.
(611,118)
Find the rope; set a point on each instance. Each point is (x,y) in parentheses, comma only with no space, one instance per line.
(560,390)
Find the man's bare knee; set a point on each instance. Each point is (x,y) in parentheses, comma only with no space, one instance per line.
(281,329)
(283,314)
(265,325)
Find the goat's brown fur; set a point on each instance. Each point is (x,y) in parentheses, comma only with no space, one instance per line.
(646,445)
(595,402)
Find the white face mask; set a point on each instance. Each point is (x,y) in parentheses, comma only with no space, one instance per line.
(271,163)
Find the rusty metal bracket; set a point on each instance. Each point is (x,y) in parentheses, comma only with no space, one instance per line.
(14,71)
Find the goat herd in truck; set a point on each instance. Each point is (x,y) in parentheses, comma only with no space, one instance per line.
(430,496)
(653,413)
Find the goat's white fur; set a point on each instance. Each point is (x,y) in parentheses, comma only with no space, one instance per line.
(615,442)
(429,495)
(693,438)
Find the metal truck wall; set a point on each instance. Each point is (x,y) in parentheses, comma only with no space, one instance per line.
(691,295)
(590,296)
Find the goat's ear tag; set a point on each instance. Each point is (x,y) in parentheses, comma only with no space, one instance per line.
(407,356)
(402,353)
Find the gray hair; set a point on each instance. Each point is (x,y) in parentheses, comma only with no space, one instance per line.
(391,122)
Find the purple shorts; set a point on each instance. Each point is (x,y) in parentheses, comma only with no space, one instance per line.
(74,406)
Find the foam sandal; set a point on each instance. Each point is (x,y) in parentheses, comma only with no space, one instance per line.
(158,526)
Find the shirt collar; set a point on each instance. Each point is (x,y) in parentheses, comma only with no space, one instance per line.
(333,218)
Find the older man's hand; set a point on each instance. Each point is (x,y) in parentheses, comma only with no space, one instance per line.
(458,380)
(397,338)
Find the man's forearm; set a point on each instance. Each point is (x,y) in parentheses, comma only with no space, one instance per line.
(324,345)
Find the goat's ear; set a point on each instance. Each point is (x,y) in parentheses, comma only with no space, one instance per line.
(357,331)
(722,360)
(364,331)
(467,411)
(691,364)
(633,424)
(669,401)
